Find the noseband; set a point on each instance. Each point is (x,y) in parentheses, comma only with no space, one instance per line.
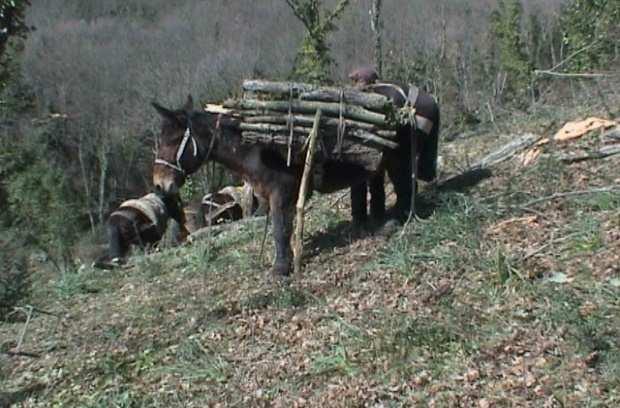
(187,136)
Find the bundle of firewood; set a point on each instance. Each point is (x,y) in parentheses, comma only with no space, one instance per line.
(355,125)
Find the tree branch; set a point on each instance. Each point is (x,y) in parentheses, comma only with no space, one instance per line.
(335,13)
(574,75)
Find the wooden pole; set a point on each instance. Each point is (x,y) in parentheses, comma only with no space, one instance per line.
(301,199)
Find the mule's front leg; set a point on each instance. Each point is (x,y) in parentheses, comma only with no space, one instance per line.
(282,213)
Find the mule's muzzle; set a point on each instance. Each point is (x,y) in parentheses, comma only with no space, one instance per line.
(166,183)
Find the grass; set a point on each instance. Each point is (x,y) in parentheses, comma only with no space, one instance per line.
(488,301)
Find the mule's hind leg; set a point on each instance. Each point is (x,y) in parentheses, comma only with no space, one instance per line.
(359,212)
(282,213)
(399,171)
(377,197)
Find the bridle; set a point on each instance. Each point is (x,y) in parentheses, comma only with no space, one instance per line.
(187,137)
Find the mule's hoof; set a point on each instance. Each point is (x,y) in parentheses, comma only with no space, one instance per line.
(389,228)
(107,264)
(281,273)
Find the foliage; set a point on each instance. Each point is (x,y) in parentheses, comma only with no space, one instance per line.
(12,25)
(510,47)
(14,279)
(591,33)
(313,62)
(40,199)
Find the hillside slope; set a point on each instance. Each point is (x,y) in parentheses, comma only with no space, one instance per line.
(505,294)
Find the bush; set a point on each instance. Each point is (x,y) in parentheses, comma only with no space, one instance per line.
(14,276)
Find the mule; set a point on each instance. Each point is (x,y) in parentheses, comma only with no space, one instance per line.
(140,222)
(398,163)
(190,138)
(230,203)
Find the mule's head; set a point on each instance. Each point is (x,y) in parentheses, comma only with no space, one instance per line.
(363,76)
(178,153)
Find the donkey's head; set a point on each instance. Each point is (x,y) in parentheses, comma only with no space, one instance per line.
(178,153)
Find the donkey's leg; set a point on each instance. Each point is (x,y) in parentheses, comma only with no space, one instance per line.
(377,197)
(118,245)
(359,212)
(282,213)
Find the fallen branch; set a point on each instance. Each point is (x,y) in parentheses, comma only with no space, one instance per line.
(586,75)
(494,158)
(600,154)
(611,189)
(15,353)
(545,246)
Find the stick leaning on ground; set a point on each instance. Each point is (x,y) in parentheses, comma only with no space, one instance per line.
(301,199)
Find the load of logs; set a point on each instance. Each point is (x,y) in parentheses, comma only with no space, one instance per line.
(355,125)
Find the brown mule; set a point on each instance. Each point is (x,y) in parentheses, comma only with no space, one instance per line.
(189,138)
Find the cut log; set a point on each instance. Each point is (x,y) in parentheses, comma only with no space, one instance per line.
(310,107)
(371,101)
(270,134)
(306,120)
(375,135)
(279,138)
(309,92)
(283,88)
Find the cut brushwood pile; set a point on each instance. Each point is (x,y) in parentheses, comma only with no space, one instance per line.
(356,126)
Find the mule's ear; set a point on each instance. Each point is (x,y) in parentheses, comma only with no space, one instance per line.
(165,113)
(189,104)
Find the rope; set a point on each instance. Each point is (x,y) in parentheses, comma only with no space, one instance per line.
(290,121)
(341,124)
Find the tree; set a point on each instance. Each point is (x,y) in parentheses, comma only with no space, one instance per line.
(591,33)
(12,25)
(376,25)
(512,59)
(313,61)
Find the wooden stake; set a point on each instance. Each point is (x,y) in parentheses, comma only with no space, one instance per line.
(301,199)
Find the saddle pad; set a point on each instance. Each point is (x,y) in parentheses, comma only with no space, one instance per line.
(150,205)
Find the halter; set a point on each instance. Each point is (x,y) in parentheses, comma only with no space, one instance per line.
(187,136)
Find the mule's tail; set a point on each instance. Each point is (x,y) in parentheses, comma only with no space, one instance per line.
(113,258)
(427,166)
